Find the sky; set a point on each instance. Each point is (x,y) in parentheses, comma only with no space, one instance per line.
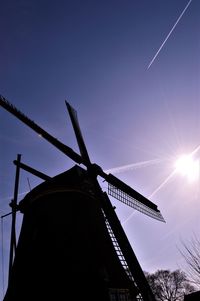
(131,69)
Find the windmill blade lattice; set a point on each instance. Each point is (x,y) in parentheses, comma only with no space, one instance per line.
(132,202)
(127,195)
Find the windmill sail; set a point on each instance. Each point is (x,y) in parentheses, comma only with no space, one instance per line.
(59,145)
(33,171)
(132,198)
(74,119)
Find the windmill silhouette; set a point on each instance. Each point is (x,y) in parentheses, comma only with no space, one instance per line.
(71,241)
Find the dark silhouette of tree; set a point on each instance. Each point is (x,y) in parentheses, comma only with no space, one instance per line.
(169,286)
(191,253)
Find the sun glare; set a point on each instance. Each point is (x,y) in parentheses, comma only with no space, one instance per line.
(188,167)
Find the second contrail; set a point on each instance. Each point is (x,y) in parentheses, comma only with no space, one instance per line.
(169,34)
(133,166)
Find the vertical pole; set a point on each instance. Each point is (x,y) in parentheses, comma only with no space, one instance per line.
(13,205)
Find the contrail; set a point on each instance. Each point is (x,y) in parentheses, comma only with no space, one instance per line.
(163,183)
(133,166)
(195,150)
(169,34)
(127,219)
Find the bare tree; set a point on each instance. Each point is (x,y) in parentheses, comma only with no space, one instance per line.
(169,286)
(191,253)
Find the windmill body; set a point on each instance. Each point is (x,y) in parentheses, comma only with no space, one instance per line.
(64,248)
(71,244)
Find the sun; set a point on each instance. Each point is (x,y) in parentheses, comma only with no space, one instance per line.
(188,167)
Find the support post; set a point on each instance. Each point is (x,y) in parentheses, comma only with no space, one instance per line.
(13,205)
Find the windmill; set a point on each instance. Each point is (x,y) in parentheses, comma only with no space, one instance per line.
(71,241)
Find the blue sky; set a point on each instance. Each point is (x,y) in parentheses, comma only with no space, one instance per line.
(95,54)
